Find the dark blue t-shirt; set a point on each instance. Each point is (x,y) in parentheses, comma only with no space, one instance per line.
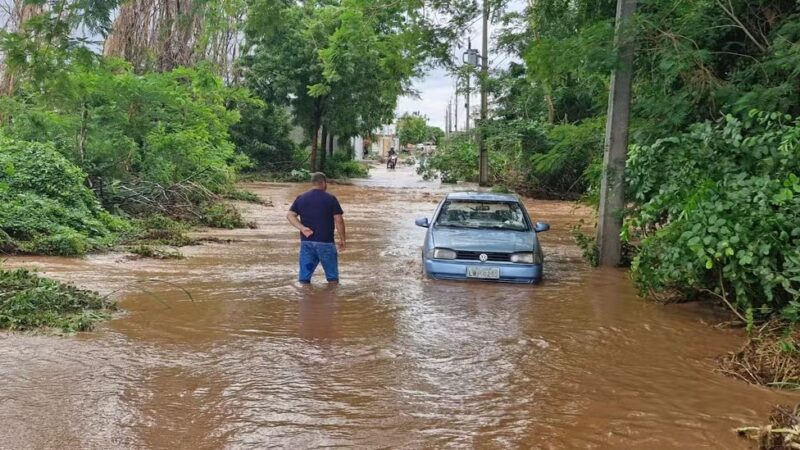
(316,209)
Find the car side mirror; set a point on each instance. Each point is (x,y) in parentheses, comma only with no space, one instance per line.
(540,227)
(422,222)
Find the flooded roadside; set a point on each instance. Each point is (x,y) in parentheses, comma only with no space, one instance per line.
(385,359)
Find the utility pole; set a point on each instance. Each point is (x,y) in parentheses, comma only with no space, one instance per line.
(447,119)
(484,154)
(466,126)
(455,110)
(612,186)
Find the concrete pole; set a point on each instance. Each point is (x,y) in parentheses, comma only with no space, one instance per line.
(484,154)
(466,122)
(447,119)
(612,186)
(466,107)
(455,110)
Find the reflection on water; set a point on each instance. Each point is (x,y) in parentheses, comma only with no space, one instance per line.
(386,359)
(317,307)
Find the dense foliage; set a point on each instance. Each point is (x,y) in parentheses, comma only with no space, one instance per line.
(340,66)
(456,160)
(121,127)
(412,129)
(713,180)
(735,228)
(263,134)
(46,206)
(712,176)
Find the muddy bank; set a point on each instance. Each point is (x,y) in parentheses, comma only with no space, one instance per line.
(385,359)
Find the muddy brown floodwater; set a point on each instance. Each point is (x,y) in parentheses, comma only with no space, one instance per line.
(387,359)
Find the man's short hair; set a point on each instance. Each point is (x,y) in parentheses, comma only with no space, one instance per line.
(318,178)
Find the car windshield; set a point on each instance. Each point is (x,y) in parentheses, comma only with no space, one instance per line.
(482,214)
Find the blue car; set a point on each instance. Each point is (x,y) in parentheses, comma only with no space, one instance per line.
(482,236)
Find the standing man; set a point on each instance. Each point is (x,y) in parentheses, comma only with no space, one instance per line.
(315,214)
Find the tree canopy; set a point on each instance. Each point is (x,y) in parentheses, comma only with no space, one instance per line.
(339,65)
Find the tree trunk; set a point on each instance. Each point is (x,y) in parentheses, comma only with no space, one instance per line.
(324,147)
(314,143)
(330,146)
(19,15)
(82,135)
(157,34)
(551,109)
(315,128)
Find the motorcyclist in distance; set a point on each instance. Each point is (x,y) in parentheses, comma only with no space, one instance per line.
(389,159)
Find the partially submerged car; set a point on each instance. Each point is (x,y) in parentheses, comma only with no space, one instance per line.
(482,236)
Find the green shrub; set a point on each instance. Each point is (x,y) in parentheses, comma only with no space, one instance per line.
(158,230)
(563,167)
(148,251)
(222,215)
(244,196)
(28,301)
(298,175)
(543,159)
(341,166)
(46,206)
(66,242)
(719,212)
(161,128)
(263,134)
(455,160)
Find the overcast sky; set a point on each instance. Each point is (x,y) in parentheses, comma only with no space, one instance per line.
(437,88)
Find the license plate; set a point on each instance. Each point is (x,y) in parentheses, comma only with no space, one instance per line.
(491,273)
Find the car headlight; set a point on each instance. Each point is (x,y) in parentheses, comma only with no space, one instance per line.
(526,258)
(443,253)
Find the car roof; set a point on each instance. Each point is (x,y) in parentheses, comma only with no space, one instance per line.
(482,196)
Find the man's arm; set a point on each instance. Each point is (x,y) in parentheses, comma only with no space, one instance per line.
(341,230)
(292,216)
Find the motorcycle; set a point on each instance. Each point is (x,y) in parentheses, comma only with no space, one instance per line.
(392,162)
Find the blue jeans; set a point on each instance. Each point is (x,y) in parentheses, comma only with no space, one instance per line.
(312,254)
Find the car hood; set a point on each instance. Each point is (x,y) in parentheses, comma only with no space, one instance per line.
(482,240)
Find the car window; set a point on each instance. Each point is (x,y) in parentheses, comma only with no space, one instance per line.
(482,214)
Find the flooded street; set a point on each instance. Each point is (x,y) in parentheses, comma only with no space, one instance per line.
(386,359)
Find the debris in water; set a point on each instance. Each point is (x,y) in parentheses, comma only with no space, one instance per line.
(783,431)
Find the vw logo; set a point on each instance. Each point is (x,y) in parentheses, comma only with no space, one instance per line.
(483,257)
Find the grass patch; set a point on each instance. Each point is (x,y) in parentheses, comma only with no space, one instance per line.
(30,302)
(770,357)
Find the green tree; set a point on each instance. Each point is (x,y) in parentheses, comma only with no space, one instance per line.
(118,126)
(695,62)
(412,129)
(341,65)
(435,135)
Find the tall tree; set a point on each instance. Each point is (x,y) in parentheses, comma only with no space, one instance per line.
(412,129)
(43,39)
(164,34)
(339,64)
